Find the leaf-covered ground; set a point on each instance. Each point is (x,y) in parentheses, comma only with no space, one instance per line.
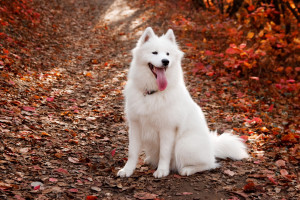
(62,127)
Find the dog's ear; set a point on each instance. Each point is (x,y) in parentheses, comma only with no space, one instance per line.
(170,35)
(148,33)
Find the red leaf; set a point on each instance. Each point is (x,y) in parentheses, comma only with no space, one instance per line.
(250,187)
(232,51)
(244,137)
(251,8)
(61,170)
(290,81)
(257,120)
(210,73)
(91,198)
(271,178)
(113,152)
(74,190)
(208,53)
(243,45)
(5,51)
(27,108)
(36,167)
(53,180)
(50,99)
(271,108)
(37,187)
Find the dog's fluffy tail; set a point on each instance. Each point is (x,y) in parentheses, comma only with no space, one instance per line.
(228,145)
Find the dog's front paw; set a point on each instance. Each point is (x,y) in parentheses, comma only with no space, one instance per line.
(125,172)
(159,173)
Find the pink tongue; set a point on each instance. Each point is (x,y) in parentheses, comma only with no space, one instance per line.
(161,79)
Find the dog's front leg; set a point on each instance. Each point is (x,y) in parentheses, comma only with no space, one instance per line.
(167,139)
(133,150)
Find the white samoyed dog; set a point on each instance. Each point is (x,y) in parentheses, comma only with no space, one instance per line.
(163,119)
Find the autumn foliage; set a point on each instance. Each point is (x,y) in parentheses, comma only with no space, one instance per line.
(63,68)
(258,42)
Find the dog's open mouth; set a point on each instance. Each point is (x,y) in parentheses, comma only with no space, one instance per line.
(159,73)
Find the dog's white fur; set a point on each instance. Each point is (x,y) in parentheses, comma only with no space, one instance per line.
(168,124)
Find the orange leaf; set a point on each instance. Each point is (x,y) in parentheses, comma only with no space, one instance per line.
(94,61)
(5,51)
(250,35)
(46,134)
(89,74)
(290,137)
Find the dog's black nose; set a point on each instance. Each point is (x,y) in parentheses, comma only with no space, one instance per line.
(165,62)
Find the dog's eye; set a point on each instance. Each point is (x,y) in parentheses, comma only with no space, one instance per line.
(168,53)
(154,52)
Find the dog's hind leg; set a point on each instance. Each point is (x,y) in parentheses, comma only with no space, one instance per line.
(194,153)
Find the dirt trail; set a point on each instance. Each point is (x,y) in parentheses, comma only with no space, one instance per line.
(86,54)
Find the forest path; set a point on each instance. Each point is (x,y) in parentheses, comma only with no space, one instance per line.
(72,141)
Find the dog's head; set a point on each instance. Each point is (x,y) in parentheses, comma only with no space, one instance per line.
(158,54)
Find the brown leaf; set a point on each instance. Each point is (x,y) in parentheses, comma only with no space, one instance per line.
(283,172)
(145,195)
(229,172)
(73,160)
(280,163)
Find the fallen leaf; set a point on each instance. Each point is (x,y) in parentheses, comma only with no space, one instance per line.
(271,178)
(229,172)
(95,188)
(28,108)
(283,172)
(113,152)
(280,163)
(73,160)
(53,180)
(187,193)
(5,186)
(255,78)
(37,185)
(250,35)
(61,170)
(18,197)
(74,190)
(145,195)
(50,99)
(91,198)
(250,187)
(177,176)
(244,137)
